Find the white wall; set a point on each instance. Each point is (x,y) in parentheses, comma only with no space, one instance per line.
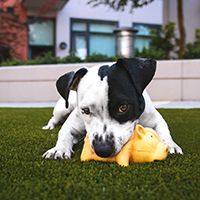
(174,81)
(151,13)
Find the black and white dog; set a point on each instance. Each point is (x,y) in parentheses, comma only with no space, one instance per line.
(106,102)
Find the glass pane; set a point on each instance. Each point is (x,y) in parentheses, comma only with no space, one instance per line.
(102,28)
(80,46)
(79,26)
(41,33)
(141,43)
(102,44)
(144,30)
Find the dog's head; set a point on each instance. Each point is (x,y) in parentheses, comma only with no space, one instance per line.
(109,100)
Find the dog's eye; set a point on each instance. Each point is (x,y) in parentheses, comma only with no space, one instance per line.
(122,108)
(85,110)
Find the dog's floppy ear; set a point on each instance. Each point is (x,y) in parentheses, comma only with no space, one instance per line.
(69,81)
(141,71)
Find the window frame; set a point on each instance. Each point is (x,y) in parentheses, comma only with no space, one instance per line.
(87,33)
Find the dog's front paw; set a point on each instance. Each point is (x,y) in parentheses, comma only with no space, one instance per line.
(48,127)
(57,153)
(174,148)
(51,124)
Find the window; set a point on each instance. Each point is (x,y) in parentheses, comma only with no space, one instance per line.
(89,37)
(142,37)
(41,37)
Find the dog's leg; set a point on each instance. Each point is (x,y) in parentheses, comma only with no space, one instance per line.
(72,130)
(153,119)
(60,112)
(161,127)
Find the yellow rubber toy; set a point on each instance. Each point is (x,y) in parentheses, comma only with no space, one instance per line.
(143,146)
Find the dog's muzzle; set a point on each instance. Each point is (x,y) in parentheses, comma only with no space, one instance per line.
(103,148)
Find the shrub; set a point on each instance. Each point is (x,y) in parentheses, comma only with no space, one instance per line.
(71,59)
(11,62)
(151,53)
(163,43)
(48,58)
(193,49)
(45,58)
(4,53)
(99,58)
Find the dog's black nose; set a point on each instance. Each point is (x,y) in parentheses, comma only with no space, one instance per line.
(103,148)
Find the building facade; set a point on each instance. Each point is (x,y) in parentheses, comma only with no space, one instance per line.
(87,30)
(27,27)
(71,27)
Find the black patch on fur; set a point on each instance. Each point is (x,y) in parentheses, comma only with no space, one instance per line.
(103,71)
(78,135)
(126,80)
(96,111)
(104,128)
(69,81)
(140,70)
(110,138)
(63,85)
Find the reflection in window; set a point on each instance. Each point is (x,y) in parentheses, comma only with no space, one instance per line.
(102,44)
(142,37)
(78,26)
(41,37)
(81,47)
(102,28)
(140,43)
(143,30)
(89,37)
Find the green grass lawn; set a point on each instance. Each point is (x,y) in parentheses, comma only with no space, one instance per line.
(25,175)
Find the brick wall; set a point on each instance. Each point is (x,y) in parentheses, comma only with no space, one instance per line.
(13,29)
